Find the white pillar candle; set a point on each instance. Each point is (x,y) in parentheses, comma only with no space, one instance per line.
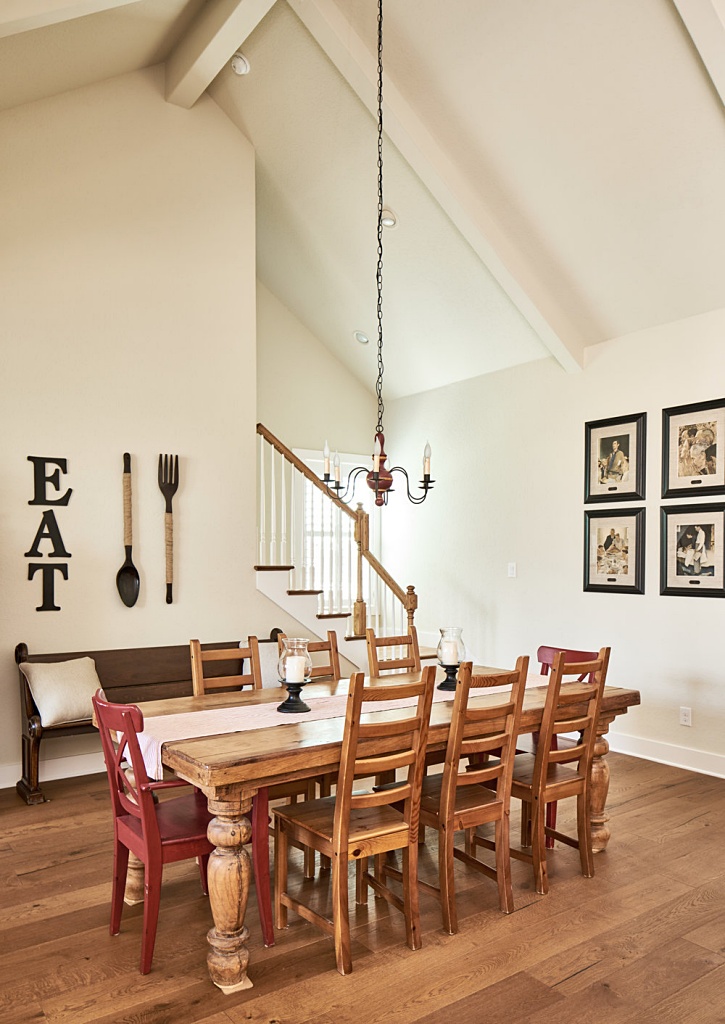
(294,669)
(449,652)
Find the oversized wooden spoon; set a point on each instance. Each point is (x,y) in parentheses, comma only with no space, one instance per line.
(127,578)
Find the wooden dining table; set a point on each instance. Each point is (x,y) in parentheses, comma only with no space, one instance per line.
(231,767)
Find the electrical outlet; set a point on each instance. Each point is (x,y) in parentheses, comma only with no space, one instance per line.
(685,716)
(512,570)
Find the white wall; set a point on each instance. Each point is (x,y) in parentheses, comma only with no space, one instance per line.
(508,458)
(128,324)
(304,395)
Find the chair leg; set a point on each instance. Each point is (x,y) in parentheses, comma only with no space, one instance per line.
(203,863)
(503,866)
(538,847)
(152,897)
(280,875)
(361,886)
(446,881)
(260,861)
(550,822)
(586,854)
(410,897)
(341,915)
(525,824)
(120,869)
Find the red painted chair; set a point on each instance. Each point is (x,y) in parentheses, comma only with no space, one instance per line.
(545,656)
(157,832)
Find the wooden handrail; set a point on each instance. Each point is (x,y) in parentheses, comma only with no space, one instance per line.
(303,468)
(408,598)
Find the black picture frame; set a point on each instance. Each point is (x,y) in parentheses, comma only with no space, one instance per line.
(615,565)
(693,440)
(692,550)
(615,458)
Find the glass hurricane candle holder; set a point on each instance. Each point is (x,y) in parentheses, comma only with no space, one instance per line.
(294,669)
(451,652)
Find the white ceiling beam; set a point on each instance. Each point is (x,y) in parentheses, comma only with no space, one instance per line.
(220,29)
(705,21)
(458,198)
(22,15)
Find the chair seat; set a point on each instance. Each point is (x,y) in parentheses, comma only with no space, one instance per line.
(468,799)
(181,818)
(557,775)
(317,817)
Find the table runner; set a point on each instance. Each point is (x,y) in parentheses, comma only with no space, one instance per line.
(193,724)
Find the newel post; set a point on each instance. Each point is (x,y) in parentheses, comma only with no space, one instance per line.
(362,537)
(411,603)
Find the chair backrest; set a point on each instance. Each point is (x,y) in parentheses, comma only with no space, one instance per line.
(545,656)
(328,669)
(477,731)
(572,709)
(408,662)
(131,793)
(202,683)
(383,743)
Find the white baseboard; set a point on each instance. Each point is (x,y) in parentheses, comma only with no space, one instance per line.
(55,768)
(702,761)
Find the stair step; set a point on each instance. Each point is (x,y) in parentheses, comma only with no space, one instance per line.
(273,568)
(333,615)
(296,593)
(356,636)
(428,653)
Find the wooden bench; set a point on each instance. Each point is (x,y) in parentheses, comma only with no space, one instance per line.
(127,675)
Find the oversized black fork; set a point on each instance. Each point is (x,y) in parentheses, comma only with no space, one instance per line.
(168,483)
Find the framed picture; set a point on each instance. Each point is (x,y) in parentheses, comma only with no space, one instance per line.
(614,550)
(692,436)
(614,461)
(692,550)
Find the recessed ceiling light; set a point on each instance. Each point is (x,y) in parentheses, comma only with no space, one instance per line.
(362,338)
(388,219)
(240,64)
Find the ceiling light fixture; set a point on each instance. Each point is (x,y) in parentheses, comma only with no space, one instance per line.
(362,338)
(379,479)
(240,64)
(389,219)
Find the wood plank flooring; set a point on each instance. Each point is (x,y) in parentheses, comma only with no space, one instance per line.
(643,941)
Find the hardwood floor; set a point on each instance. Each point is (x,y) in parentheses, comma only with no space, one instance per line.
(643,941)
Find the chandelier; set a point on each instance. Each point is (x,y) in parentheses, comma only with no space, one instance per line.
(379,479)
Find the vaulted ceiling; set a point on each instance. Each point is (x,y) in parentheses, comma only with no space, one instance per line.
(557,167)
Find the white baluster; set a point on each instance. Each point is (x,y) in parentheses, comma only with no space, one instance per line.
(273,559)
(262,503)
(283,514)
(292,529)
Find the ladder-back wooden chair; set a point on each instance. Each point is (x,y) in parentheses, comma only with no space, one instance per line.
(477,792)
(408,661)
(552,775)
(357,825)
(214,683)
(545,656)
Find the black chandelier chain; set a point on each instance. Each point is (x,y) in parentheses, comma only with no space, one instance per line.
(379,272)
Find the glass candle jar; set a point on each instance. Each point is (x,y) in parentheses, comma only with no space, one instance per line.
(451,649)
(294,668)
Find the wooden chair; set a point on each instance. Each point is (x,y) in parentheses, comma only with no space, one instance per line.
(545,656)
(206,683)
(409,662)
(479,793)
(355,826)
(329,669)
(551,775)
(158,832)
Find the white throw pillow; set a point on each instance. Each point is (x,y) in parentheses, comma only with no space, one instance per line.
(62,689)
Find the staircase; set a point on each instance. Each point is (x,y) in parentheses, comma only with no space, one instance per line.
(314,557)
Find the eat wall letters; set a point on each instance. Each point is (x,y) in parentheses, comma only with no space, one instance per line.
(48,529)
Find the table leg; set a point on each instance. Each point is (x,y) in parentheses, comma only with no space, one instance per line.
(599,787)
(228,878)
(134,881)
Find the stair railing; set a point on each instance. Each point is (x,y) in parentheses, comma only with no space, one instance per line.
(325,545)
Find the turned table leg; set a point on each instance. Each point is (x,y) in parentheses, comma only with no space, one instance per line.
(228,878)
(599,787)
(134,881)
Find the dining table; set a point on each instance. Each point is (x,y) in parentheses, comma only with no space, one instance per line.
(230,766)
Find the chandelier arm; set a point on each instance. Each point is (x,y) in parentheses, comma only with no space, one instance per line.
(427,485)
(349,489)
